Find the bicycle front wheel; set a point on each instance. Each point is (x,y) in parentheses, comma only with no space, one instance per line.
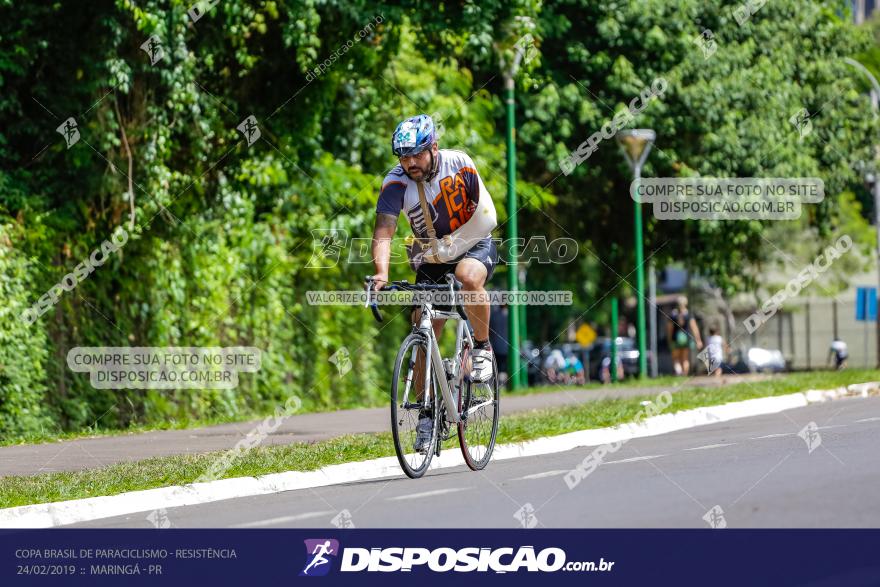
(479,408)
(407,405)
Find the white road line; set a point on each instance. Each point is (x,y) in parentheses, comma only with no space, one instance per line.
(773,436)
(282,519)
(541,475)
(633,460)
(868,420)
(708,446)
(427,493)
(832,426)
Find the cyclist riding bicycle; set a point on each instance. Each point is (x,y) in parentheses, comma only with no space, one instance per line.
(451,215)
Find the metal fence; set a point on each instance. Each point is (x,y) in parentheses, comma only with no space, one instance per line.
(803,331)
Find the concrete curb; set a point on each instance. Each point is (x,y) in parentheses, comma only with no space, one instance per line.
(81,510)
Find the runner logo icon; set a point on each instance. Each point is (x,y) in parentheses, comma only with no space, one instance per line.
(318,551)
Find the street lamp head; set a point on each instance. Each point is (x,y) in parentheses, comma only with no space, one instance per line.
(635,144)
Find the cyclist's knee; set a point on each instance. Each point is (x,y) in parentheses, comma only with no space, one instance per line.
(471,273)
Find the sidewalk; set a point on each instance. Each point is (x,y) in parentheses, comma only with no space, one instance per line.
(90,453)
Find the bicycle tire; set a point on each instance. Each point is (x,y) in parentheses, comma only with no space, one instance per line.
(402,446)
(469,450)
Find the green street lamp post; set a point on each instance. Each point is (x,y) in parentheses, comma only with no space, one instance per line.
(612,368)
(514,313)
(635,144)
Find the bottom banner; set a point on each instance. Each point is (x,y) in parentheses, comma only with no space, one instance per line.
(384,557)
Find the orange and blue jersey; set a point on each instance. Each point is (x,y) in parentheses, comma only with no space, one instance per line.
(452,195)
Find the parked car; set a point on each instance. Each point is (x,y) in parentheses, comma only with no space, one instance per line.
(626,351)
(756,360)
(531,356)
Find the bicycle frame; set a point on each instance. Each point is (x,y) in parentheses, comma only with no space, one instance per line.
(462,334)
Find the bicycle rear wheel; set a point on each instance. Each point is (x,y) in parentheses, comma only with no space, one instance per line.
(406,408)
(479,407)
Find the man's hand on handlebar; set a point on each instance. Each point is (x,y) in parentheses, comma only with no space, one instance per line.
(375,282)
(379,280)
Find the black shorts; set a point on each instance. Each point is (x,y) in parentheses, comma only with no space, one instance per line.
(484,251)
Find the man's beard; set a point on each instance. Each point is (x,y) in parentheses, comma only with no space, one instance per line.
(425,172)
(417,171)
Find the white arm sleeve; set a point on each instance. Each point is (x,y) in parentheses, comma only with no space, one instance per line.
(478,227)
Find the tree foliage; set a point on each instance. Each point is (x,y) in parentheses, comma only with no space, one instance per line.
(225,231)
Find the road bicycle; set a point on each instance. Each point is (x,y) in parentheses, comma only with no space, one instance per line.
(449,396)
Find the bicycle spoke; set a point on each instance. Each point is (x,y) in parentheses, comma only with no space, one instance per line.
(473,409)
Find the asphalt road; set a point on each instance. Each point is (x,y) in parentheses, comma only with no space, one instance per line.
(758,471)
(91,453)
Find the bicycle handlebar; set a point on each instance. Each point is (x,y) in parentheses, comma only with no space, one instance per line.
(374,307)
(405,285)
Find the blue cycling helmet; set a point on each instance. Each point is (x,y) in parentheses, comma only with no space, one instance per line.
(413,135)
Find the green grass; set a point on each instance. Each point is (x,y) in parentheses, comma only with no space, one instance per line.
(176,470)
(97,431)
(609,412)
(631,382)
